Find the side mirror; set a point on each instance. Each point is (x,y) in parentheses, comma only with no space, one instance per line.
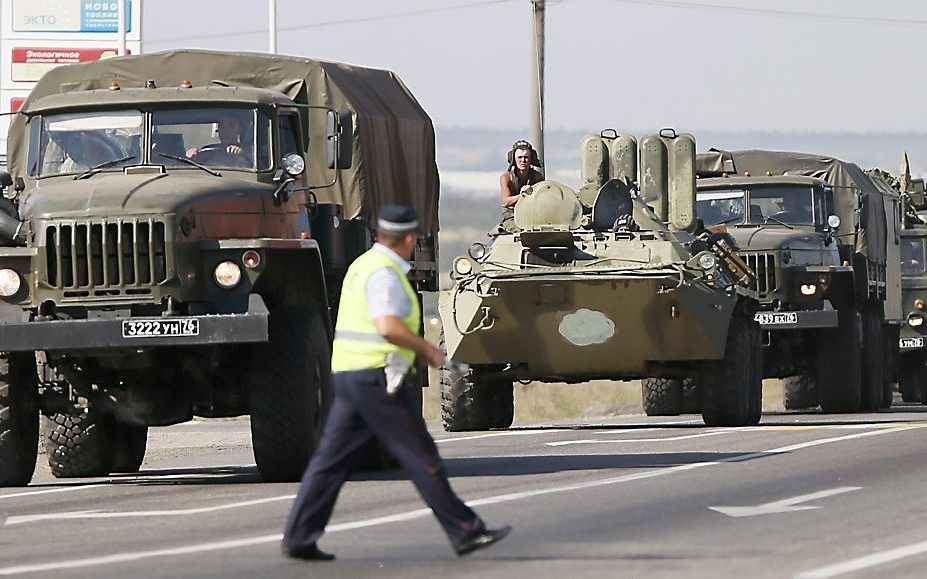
(340,139)
(5,179)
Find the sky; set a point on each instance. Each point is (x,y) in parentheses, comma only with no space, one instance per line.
(732,65)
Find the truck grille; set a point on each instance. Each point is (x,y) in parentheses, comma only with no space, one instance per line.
(764,266)
(127,254)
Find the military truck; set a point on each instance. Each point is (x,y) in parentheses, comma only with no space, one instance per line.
(599,285)
(822,239)
(179,272)
(912,355)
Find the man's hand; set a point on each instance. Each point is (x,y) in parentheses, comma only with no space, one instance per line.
(396,332)
(526,190)
(434,357)
(233,149)
(191,152)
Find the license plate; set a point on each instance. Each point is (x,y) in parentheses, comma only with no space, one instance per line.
(907,343)
(155,328)
(776,318)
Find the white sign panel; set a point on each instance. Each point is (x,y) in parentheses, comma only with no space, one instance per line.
(68,16)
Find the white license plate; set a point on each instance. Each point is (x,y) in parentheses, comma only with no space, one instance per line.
(166,327)
(907,343)
(776,318)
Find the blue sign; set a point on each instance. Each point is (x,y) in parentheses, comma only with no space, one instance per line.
(97,16)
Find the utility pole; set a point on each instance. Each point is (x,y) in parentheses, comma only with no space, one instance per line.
(121,27)
(537,89)
(272,25)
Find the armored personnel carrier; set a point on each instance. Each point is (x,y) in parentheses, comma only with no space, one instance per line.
(600,284)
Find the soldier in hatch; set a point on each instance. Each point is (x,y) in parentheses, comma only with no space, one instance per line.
(516,182)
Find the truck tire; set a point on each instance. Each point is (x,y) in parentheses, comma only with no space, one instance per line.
(129,445)
(19,418)
(78,443)
(733,387)
(289,392)
(839,371)
(691,397)
(470,401)
(873,361)
(662,396)
(801,392)
(913,376)
(889,346)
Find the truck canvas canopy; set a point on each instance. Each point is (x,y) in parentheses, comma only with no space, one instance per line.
(394,145)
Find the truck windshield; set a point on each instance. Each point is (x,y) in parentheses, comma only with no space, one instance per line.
(716,207)
(76,142)
(791,204)
(221,138)
(913,259)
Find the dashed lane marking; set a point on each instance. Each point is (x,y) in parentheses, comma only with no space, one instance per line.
(629,440)
(866,562)
(421,513)
(497,434)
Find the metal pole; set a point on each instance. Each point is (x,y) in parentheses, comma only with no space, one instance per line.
(537,92)
(121,27)
(272,25)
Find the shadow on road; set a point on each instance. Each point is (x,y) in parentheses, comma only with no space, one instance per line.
(531,465)
(176,476)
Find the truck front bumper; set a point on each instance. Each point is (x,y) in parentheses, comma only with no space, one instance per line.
(95,333)
(799,320)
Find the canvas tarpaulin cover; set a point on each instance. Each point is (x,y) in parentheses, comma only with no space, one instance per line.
(394,145)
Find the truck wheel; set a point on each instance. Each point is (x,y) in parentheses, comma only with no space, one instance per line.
(873,361)
(889,347)
(691,397)
(78,443)
(839,363)
(662,396)
(800,392)
(733,387)
(129,444)
(289,392)
(470,401)
(912,378)
(19,418)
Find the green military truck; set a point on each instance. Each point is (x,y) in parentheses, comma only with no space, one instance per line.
(822,238)
(156,267)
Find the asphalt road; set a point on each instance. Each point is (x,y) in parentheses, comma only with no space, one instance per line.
(806,495)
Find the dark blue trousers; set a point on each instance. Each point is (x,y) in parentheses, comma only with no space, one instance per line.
(362,410)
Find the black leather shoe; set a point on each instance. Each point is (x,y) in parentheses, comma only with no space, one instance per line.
(481,540)
(312,553)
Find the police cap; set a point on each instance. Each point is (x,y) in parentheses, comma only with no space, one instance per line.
(397,219)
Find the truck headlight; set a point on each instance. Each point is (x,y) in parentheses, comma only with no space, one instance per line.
(227,274)
(477,251)
(808,289)
(10,282)
(914,320)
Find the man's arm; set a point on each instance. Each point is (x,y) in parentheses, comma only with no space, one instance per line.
(509,197)
(395,332)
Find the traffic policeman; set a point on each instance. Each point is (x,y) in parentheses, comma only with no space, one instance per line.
(376,342)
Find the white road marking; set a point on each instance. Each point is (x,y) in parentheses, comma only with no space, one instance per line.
(20,519)
(784,505)
(667,439)
(495,434)
(49,491)
(421,513)
(866,562)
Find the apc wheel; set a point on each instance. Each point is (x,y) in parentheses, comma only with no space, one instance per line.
(873,361)
(470,401)
(839,363)
(801,392)
(662,396)
(78,443)
(733,387)
(129,445)
(19,418)
(289,392)
(691,397)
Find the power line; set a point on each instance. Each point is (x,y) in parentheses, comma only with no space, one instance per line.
(333,22)
(790,14)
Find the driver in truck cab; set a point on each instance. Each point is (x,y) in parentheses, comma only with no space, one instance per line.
(229,127)
(796,207)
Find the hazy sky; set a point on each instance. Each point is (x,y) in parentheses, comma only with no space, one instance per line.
(854,65)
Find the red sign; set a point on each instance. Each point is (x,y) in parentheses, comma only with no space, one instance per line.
(16,103)
(30,63)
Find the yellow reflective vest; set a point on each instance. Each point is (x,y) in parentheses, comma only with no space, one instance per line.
(358,345)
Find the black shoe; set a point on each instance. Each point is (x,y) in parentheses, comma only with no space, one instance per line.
(482,539)
(312,553)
